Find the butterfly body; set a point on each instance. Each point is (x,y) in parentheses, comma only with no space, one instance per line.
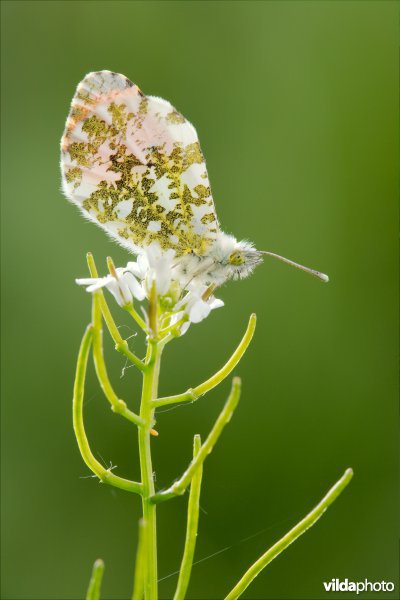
(227,258)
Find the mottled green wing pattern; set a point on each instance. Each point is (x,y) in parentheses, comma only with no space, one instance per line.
(133,164)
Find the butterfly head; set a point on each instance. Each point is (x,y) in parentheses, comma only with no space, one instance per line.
(233,259)
(243,259)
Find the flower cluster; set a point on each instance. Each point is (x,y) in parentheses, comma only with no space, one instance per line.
(154,267)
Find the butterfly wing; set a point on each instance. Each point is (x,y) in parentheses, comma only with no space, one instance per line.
(133,164)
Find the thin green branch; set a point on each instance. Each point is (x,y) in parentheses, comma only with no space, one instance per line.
(140,563)
(121,345)
(291,536)
(135,315)
(192,526)
(94,588)
(105,475)
(195,393)
(179,486)
(111,325)
(124,349)
(117,405)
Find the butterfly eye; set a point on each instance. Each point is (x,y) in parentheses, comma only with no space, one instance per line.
(237,259)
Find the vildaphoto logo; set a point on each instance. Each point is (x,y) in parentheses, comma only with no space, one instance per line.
(335,585)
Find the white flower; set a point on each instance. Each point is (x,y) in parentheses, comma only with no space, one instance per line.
(154,265)
(195,306)
(124,287)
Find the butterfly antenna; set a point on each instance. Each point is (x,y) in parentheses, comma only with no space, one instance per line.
(317,274)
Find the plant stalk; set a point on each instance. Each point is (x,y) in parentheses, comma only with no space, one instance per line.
(291,536)
(192,527)
(149,392)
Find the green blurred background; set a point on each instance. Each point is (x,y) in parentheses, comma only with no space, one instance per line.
(295,104)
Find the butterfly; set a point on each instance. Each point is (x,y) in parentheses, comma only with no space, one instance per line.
(133,164)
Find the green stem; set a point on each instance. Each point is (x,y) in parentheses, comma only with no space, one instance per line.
(117,405)
(179,486)
(111,325)
(195,393)
(129,308)
(105,475)
(123,348)
(121,345)
(94,588)
(149,391)
(192,526)
(140,563)
(291,536)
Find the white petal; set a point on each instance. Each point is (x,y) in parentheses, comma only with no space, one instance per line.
(153,253)
(125,292)
(87,281)
(185,327)
(163,277)
(114,288)
(100,283)
(134,286)
(199,311)
(133,267)
(94,288)
(143,264)
(216,303)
